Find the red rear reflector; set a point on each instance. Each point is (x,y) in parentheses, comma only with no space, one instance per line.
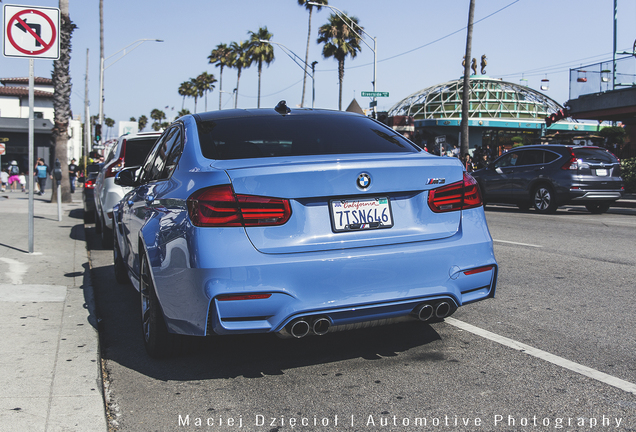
(461,195)
(89,184)
(479,270)
(229,297)
(219,206)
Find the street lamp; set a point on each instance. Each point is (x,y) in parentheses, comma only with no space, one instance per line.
(102,68)
(348,21)
(295,58)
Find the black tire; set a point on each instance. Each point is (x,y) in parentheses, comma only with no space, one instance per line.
(598,207)
(158,341)
(107,236)
(543,199)
(98,222)
(121,271)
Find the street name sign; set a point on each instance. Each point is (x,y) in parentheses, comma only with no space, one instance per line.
(374,94)
(32,32)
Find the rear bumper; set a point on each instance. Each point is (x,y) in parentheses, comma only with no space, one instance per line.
(595,195)
(348,286)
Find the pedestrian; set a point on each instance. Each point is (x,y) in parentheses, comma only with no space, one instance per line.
(468,163)
(455,151)
(23,181)
(72,174)
(41,172)
(4,179)
(14,175)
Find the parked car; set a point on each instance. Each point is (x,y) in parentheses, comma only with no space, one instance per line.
(130,150)
(87,192)
(547,176)
(296,223)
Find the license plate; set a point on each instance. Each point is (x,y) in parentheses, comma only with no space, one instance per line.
(360,214)
(601,172)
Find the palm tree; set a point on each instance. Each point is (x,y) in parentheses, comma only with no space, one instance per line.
(205,83)
(241,61)
(223,56)
(109,122)
(186,89)
(183,112)
(157,115)
(61,78)
(142,122)
(310,8)
(340,41)
(261,52)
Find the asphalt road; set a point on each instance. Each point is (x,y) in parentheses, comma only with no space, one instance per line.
(555,350)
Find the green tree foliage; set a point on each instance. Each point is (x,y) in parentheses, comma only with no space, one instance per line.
(242,60)
(222,56)
(628,173)
(339,42)
(157,115)
(142,122)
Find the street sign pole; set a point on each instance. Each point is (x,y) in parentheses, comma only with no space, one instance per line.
(31,146)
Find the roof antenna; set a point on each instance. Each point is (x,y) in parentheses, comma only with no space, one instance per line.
(282,108)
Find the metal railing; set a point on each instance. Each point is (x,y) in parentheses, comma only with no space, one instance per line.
(599,77)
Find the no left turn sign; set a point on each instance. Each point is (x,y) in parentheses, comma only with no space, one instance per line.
(31,32)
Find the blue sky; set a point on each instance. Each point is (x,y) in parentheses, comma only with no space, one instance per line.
(535,39)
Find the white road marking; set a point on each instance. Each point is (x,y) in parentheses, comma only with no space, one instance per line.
(517,243)
(16,270)
(543,355)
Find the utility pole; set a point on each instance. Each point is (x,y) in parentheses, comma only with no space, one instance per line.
(466,89)
(87,120)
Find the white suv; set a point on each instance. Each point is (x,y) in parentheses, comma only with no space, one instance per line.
(130,150)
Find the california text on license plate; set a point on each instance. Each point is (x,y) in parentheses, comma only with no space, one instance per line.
(360,214)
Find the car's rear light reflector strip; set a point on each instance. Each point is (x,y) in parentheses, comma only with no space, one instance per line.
(232,297)
(479,270)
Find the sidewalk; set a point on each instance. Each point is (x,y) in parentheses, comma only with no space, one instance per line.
(50,374)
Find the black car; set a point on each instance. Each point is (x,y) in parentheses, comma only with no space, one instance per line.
(87,193)
(547,176)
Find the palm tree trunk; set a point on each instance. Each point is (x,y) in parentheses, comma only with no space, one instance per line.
(238,78)
(302,100)
(220,86)
(62,101)
(260,69)
(340,80)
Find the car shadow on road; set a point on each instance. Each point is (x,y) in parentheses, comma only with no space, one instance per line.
(249,356)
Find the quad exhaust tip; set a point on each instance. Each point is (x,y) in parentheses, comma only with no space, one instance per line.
(299,328)
(321,326)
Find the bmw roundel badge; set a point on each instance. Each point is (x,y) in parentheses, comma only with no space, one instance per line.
(364,180)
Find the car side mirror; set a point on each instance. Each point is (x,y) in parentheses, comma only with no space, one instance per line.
(127,177)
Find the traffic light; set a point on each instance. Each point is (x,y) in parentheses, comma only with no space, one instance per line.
(98,133)
(555,117)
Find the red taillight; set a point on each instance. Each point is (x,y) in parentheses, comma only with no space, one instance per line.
(115,166)
(231,297)
(479,270)
(89,184)
(572,163)
(219,206)
(461,195)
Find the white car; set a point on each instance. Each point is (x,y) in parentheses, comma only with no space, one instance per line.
(130,150)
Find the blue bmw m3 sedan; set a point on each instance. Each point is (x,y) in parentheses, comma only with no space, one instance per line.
(298,222)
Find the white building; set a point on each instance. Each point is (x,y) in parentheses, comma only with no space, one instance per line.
(14,122)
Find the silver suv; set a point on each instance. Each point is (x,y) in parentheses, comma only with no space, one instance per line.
(130,150)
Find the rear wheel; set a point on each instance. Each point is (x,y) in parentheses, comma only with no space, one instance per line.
(159,342)
(598,207)
(543,199)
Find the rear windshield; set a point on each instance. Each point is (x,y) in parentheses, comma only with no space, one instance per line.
(272,136)
(594,155)
(137,149)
